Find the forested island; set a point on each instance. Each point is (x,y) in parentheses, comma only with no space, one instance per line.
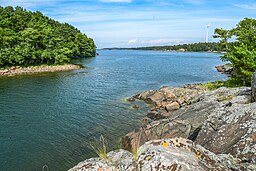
(31,38)
(192,47)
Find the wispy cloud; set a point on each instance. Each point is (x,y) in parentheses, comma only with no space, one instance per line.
(142,22)
(137,42)
(246,6)
(116,0)
(196,2)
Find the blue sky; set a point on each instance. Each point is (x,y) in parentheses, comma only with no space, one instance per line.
(131,23)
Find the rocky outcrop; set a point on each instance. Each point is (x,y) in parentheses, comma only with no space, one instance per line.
(223,121)
(182,154)
(191,129)
(225,69)
(167,154)
(167,99)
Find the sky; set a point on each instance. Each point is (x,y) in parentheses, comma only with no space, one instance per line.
(133,23)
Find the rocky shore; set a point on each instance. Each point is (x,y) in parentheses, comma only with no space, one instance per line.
(189,128)
(17,70)
(226,69)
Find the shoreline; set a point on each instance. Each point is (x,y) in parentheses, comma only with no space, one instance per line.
(18,70)
(191,120)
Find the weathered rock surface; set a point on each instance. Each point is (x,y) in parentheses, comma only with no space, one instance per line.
(192,129)
(117,160)
(174,154)
(225,69)
(182,154)
(223,121)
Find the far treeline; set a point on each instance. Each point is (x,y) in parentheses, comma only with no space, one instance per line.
(30,38)
(193,47)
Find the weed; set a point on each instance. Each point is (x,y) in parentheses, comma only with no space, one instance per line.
(100,148)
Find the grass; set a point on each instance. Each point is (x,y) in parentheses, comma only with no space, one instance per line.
(100,148)
(230,83)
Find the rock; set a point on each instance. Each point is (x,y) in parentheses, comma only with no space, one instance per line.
(253,87)
(221,121)
(135,107)
(231,129)
(182,154)
(155,115)
(169,97)
(118,160)
(225,69)
(172,106)
(131,99)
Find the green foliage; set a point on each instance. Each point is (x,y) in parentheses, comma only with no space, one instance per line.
(193,47)
(28,38)
(100,148)
(242,52)
(230,83)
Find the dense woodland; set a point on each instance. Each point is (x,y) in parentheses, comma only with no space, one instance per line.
(29,38)
(193,47)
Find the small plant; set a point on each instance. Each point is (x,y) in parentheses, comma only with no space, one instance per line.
(230,83)
(135,154)
(100,148)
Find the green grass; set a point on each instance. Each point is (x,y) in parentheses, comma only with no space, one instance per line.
(100,148)
(230,83)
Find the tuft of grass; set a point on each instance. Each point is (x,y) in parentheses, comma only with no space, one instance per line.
(100,148)
(230,83)
(135,154)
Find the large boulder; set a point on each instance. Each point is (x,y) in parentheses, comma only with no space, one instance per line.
(182,154)
(231,129)
(169,98)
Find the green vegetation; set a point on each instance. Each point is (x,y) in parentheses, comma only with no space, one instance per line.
(242,52)
(193,47)
(30,38)
(230,83)
(100,148)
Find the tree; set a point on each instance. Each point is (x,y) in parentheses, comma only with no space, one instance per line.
(241,52)
(28,38)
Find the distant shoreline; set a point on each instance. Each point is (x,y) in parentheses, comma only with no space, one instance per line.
(160,50)
(18,70)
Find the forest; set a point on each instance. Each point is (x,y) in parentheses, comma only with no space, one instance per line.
(193,47)
(31,38)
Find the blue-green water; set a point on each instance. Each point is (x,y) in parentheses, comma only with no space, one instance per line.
(49,119)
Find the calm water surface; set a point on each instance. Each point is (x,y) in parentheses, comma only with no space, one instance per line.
(49,119)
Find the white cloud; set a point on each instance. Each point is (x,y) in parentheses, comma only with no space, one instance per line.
(137,42)
(116,0)
(196,2)
(246,6)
